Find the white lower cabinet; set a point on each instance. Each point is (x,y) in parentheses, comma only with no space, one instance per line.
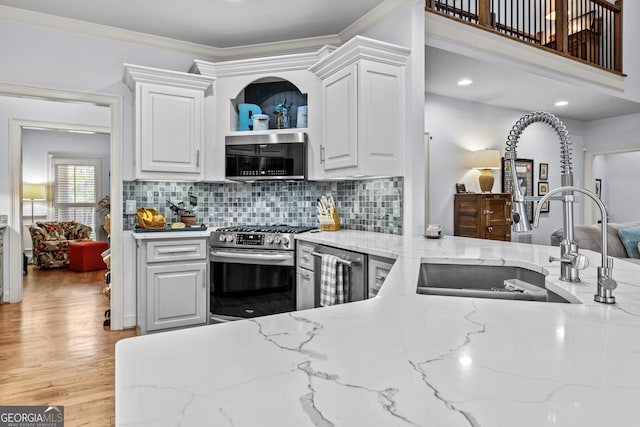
(378,269)
(173,283)
(305,276)
(305,280)
(176,295)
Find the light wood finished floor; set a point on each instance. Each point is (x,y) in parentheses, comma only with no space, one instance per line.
(54,349)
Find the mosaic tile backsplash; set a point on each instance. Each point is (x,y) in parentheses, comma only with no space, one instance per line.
(368,205)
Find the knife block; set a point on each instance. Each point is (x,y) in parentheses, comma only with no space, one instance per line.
(329,222)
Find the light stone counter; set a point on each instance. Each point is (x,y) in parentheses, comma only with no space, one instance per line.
(401,358)
(170,234)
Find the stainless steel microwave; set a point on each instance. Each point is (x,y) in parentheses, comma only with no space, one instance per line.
(267,155)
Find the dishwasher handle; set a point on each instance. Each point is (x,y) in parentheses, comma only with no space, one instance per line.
(340,260)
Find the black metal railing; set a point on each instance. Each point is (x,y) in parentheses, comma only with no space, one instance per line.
(589,30)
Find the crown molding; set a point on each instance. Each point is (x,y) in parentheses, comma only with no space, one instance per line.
(285,47)
(138,74)
(76,26)
(371,18)
(251,66)
(361,48)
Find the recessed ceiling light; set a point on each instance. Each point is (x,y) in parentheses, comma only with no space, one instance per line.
(561,103)
(464,82)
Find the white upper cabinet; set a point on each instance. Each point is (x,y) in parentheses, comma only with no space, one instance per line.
(238,79)
(169,123)
(363,109)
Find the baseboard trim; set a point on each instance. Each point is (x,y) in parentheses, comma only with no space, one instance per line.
(129,321)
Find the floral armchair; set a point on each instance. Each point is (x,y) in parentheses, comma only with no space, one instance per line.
(51,241)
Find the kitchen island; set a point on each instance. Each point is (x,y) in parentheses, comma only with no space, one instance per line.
(401,358)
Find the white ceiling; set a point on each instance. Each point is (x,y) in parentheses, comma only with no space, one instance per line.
(495,84)
(232,23)
(217,23)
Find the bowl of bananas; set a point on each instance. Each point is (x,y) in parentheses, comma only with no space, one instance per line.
(150,218)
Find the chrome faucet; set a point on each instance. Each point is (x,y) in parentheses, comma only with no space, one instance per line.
(606,284)
(571,260)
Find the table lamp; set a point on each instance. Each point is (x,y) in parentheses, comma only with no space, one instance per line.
(34,192)
(485,161)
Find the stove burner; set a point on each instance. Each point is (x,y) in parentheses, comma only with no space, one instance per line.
(278,228)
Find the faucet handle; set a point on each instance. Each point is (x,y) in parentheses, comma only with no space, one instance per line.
(607,283)
(577,261)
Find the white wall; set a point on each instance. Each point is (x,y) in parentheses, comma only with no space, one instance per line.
(620,185)
(615,135)
(56,59)
(406,28)
(45,111)
(38,144)
(460,127)
(630,57)
(61,60)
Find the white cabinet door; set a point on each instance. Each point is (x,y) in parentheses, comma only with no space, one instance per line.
(340,109)
(305,289)
(170,123)
(381,119)
(176,295)
(363,98)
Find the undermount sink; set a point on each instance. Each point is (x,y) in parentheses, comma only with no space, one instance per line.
(483,279)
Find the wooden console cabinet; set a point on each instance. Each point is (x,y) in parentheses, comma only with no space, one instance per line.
(482,215)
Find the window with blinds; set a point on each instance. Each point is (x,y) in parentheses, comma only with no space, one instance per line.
(76,185)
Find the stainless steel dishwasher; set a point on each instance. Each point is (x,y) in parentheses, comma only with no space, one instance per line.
(354,262)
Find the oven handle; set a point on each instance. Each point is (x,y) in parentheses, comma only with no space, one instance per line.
(253,257)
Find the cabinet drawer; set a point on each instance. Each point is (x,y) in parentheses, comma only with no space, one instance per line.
(500,232)
(176,250)
(304,257)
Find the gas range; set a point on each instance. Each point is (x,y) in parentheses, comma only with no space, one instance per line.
(256,236)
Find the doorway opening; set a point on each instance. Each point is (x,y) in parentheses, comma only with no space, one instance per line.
(114,103)
(612,175)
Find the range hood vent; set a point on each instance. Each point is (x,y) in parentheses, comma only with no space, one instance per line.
(266,137)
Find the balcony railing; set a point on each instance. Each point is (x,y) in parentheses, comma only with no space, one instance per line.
(589,30)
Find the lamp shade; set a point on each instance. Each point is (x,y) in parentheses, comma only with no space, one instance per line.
(486,159)
(34,192)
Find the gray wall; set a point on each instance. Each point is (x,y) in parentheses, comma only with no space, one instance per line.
(459,128)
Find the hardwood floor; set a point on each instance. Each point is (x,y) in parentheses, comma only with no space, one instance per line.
(54,349)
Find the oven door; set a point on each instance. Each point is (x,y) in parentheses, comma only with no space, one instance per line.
(249,283)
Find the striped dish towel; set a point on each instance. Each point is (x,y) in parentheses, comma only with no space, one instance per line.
(331,281)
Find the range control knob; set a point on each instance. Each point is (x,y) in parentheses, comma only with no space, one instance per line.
(269,240)
(276,240)
(228,238)
(221,238)
(285,242)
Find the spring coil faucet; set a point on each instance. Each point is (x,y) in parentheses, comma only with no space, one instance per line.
(570,260)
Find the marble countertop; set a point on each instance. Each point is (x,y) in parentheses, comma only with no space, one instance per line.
(170,234)
(401,358)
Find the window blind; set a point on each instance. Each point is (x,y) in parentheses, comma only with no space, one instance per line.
(75,190)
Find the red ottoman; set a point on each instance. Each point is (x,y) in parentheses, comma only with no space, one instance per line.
(85,256)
